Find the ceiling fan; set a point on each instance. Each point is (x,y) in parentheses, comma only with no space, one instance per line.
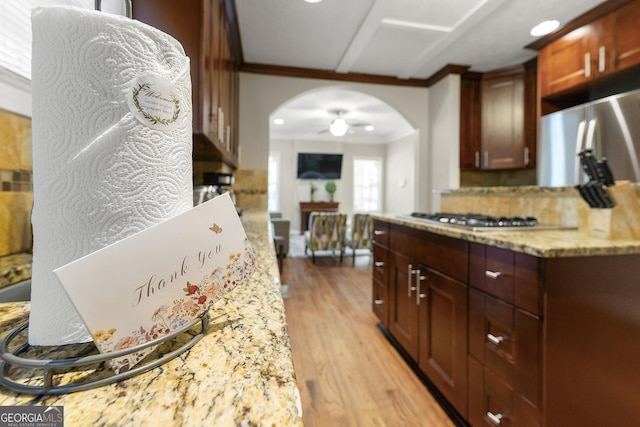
(339,126)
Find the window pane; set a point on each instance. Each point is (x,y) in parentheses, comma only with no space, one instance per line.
(15,32)
(367,185)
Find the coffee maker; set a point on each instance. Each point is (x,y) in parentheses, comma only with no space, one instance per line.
(213,185)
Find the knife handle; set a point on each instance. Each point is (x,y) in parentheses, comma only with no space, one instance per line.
(607,174)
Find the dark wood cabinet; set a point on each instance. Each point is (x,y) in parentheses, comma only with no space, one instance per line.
(403,312)
(513,339)
(428,306)
(591,52)
(202,28)
(498,119)
(505,340)
(442,354)
(470,146)
(380,272)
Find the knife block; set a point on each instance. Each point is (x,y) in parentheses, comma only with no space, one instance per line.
(623,220)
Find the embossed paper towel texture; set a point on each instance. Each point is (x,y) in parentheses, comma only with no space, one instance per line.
(99,173)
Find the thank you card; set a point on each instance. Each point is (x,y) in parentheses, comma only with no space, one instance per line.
(158,280)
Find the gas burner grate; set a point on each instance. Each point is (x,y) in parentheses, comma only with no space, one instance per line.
(476,221)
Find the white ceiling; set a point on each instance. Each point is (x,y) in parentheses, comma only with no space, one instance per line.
(398,38)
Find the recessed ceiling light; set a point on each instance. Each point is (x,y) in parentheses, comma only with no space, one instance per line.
(369,128)
(544,28)
(313,1)
(278,121)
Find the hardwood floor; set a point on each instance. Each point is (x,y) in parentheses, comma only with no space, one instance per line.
(347,371)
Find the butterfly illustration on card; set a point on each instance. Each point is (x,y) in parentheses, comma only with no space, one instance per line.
(216,228)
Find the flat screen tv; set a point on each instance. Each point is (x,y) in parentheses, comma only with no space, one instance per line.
(319,166)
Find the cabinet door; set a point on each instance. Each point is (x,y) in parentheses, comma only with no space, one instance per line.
(187,27)
(569,61)
(443,336)
(403,311)
(626,51)
(502,128)
(470,122)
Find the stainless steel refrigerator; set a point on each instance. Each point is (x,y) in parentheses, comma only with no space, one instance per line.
(609,126)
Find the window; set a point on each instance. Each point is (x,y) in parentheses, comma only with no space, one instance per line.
(15,34)
(367,185)
(273,182)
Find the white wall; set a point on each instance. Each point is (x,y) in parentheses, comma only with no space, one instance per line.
(261,94)
(400,185)
(444,135)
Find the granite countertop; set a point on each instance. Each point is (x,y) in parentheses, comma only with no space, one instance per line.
(14,268)
(541,243)
(241,373)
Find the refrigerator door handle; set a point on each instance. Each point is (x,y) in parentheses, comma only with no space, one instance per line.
(579,147)
(591,131)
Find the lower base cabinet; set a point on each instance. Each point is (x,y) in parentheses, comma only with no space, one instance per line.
(442,338)
(493,402)
(428,310)
(478,321)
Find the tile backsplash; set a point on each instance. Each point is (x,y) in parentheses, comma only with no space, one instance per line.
(16,196)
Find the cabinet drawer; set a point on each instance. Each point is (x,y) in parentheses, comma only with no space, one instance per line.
(381,232)
(493,402)
(444,254)
(380,301)
(508,275)
(380,268)
(507,341)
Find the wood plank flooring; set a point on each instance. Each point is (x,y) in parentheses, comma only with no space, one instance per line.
(347,371)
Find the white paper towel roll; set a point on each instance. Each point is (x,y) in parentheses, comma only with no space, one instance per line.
(112,144)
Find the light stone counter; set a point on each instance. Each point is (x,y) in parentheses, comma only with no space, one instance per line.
(540,243)
(240,374)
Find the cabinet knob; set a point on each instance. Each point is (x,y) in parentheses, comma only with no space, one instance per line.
(379,264)
(378,232)
(495,418)
(492,274)
(378,302)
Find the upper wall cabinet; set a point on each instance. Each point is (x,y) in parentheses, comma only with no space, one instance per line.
(201,27)
(498,119)
(592,51)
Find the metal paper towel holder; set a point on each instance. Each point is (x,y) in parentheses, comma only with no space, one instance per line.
(127,7)
(50,367)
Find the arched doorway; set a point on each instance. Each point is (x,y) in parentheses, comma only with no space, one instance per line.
(375,131)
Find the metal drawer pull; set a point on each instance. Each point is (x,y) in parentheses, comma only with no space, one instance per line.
(378,232)
(419,279)
(495,418)
(378,302)
(494,339)
(379,264)
(410,273)
(492,274)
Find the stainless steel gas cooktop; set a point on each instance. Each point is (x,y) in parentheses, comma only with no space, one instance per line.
(480,222)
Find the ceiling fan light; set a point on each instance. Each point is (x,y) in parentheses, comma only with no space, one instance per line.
(338,127)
